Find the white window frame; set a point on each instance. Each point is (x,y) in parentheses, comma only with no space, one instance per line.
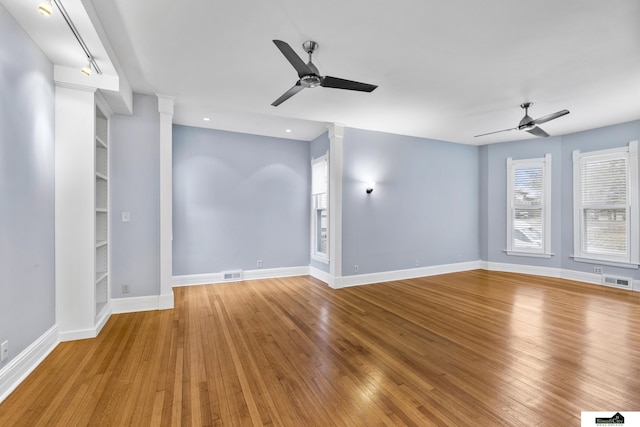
(319,188)
(545,164)
(632,257)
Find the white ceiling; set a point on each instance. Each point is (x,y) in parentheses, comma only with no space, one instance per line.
(445,69)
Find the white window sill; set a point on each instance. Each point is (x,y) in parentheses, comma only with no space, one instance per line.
(603,262)
(528,254)
(322,259)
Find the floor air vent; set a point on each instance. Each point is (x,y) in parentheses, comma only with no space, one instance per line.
(618,282)
(232,275)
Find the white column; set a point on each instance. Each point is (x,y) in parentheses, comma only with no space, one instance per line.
(75,211)
(336,133)
(165,108)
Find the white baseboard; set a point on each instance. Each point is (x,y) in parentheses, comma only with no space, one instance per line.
(134,304)
(82,334)
(23,364)
(79,334)
(412,273)
(102,320)
(523,269)
(323,276)
(213,278)
(165,301)
(578,276)
(581,276)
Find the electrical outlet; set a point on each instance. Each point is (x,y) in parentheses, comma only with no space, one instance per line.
(598,270)
(4,350)
(125,289)
(259,263)
(356,268)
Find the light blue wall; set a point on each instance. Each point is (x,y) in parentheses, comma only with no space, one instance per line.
(318,148)
(27,263)
(135,188)
(561,149)
(237,199)
(424,210)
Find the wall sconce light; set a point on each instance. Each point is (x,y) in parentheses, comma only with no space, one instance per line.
(370,186)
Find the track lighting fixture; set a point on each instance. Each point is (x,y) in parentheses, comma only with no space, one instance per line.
(45,8)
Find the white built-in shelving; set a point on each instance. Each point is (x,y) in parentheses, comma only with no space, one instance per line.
(82,212)
(102,213)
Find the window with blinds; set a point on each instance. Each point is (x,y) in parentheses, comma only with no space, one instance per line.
(528,206)
(319,209)
(606,204)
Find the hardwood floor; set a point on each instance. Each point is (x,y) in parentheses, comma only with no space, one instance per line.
(466,349)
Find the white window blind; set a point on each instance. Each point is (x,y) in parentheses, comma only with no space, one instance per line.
(603,195)
(319,176)
(528,206)
(606,205)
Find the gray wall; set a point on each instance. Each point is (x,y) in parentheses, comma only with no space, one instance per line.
(424,210)
(27,282)
(561,149)
(135,188)
(238,198)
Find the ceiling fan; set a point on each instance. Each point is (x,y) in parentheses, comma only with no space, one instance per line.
(531,125)
(309,74)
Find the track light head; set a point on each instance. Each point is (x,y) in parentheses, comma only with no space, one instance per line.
(45,8)
(86,70)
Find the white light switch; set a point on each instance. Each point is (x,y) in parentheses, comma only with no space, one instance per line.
(126,217)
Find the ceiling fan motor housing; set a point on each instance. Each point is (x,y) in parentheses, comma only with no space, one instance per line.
(310,80)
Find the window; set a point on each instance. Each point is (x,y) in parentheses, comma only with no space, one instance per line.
(605,211)
(319,210)
(529,207)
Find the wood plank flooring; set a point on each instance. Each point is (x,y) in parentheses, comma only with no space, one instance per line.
(475,348)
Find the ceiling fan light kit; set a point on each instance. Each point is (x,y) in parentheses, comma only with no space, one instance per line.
(309,76)
(530,125)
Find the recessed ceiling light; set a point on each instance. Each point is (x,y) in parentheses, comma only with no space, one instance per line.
(206,119)
(288,130)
